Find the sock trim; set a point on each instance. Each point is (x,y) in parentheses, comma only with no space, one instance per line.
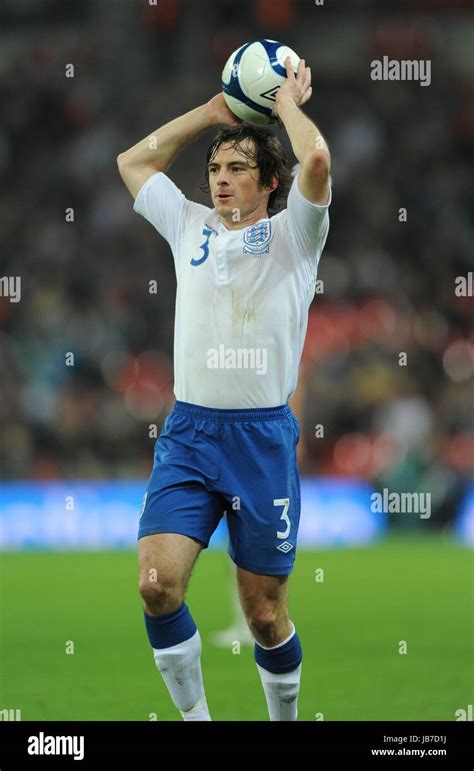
(274,647)
(169,629)
(282,658)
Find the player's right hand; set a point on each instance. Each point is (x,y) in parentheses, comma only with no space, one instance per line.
(295,87)
(220,112)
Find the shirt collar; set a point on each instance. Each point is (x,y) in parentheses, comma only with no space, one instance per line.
(214,221)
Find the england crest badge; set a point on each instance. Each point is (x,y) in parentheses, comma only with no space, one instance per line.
(257,238)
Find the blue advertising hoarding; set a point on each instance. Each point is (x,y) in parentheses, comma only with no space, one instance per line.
(100,515)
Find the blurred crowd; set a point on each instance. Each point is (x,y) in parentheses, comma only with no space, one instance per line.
(386,377)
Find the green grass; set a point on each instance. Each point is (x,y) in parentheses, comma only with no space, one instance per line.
(350,626)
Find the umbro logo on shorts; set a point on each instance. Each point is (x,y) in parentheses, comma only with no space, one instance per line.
(285,547)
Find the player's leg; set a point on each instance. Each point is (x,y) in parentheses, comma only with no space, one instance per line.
(278,652)
(165,564)
(177,519)
(238,630)
(261,474)
(264,601)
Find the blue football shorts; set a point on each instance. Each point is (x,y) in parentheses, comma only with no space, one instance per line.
(239,463)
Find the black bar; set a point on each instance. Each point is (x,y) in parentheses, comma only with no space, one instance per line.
(140,741)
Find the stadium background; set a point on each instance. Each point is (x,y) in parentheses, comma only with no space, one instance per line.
(75,444)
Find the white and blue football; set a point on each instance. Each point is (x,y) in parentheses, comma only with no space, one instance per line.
(251,79)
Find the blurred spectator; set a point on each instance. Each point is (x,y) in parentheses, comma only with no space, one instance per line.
(388,280)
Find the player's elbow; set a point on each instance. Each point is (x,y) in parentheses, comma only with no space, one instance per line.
(121,160)
(317,164)
(125,168)
(314,178)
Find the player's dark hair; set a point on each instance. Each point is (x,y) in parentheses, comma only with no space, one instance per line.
(269,155)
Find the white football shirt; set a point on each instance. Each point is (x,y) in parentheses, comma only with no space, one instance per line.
(242,295)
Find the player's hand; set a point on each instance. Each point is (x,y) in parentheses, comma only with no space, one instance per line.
(297,87)
(220,112)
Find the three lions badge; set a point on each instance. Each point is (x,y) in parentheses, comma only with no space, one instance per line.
(257,238)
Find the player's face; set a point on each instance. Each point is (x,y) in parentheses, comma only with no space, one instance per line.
(236,190)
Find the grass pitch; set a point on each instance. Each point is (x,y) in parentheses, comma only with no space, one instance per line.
(412,595)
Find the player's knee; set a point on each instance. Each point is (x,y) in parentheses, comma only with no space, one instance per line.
(160,595)
(263,621)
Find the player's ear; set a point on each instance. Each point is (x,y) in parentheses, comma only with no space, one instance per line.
(274,184)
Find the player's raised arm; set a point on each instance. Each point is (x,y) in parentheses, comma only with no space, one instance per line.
(307,142)
(157,151)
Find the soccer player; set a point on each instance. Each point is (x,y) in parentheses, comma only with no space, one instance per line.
(245,281)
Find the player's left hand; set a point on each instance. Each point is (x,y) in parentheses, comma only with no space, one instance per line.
(296,87)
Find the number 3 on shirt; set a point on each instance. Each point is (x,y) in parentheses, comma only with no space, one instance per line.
(285,502)
(205,247)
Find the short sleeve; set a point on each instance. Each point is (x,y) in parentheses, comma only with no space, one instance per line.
(164,206)
(308,224)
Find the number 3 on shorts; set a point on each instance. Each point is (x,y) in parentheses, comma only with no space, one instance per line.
(285,502)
